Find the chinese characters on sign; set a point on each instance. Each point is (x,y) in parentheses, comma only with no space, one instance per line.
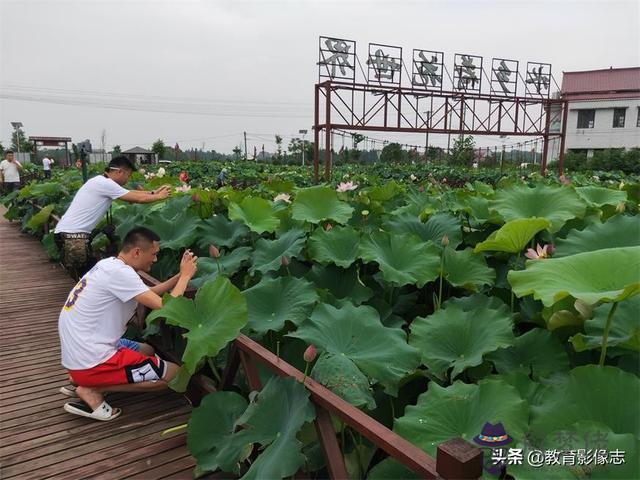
(541,458)
(538,79)
(504,77)
(385,64)
(337,58)
(467,73)
(427,69)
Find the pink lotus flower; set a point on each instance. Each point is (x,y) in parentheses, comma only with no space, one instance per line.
(213,251)
(282,197)
(195,197)
(310,354)
(540,252)
(284,261)
(183,177)
(183,188)
(328,227)
(346,186)
(564,180)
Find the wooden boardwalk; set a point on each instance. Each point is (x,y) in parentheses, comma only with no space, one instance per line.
(38,439)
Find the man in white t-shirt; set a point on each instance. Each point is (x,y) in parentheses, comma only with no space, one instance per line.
(46,166)
(10,168)
(95,317)
(91,202)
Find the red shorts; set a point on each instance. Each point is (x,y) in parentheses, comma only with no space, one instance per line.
(124,366)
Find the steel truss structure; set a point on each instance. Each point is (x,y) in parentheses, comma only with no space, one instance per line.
(382,104)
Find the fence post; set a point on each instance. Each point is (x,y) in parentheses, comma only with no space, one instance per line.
(329,444)
(459,459)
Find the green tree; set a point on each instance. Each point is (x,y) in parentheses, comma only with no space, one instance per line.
(392,152)
(159,148)
(1,149)
(462,153)
(279,144)
(25,145)
(116,150)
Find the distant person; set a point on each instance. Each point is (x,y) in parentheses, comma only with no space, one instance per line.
(221,178)
(10,168)
(95,317)
(46,166)
(91,202)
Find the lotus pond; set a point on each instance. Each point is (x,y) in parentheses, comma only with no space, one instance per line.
(434,309)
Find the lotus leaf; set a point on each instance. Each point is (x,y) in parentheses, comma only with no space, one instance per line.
(40,218)
(625,328)
(316,204)
(50,247)
(461,410)
(597,393)
(463,268)
(513,236)
(618,231)
(213,318)
(274,301)
(434,229)
(454,338)
(356,332)
(340,375)
(608,275)
(256,213)
(538,353)
(176,231)
(383,193)
(600,196)
(341,283)
(338,245)
(403,259)
(556,204)
(213,448)
(390,469)
(220,232)
(268,253)
(273,420)
(228,264)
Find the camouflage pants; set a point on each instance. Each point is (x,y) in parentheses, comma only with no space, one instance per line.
(75,252)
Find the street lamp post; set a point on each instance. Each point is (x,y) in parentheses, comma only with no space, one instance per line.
(17,126)
(303,132)
(426,142)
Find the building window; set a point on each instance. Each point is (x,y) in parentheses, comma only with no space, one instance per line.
(586,118)
(638,121)
(618,117)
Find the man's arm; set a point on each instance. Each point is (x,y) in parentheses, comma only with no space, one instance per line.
(188,268)
(165,286)
(18,164)
(143,196)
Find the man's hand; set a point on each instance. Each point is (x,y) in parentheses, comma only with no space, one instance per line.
(188,265)
(163,192)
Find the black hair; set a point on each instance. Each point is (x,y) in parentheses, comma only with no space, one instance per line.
(7,152)
(139,237)
(121,162)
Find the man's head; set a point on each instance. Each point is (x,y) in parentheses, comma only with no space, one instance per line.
(140,248)
(120,169)
(9,155)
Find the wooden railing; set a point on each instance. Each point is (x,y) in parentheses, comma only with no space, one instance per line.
(455,459)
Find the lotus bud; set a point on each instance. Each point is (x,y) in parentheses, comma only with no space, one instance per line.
(213,251)
(551,249)
(284,261)
(583,308)
(621,186)
(365,213)
(184,177)
(620,207)
(328,227)
(310,354)
(195,197)
(445,240)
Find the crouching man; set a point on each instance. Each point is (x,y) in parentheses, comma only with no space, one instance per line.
(95,316)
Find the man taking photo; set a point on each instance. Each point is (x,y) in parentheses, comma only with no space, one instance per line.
(91,202)
(10,168)
(95,317)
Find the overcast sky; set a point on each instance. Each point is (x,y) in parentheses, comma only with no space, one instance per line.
(205,71)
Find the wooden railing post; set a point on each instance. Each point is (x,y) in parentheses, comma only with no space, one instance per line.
(251,371)
(231,368)
(330,447)
(459,459)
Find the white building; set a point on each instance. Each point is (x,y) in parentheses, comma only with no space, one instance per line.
(604,111)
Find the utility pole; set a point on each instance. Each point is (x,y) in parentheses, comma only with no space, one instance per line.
(245,145)
(304,132)
(426,140)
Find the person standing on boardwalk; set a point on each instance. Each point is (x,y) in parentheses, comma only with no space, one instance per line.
(95,317)
(10,168)
(91,202)
(46,166)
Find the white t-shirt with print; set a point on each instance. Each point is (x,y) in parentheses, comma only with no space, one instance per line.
(89,205)
(10,171)
(96,313)
(46,163)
